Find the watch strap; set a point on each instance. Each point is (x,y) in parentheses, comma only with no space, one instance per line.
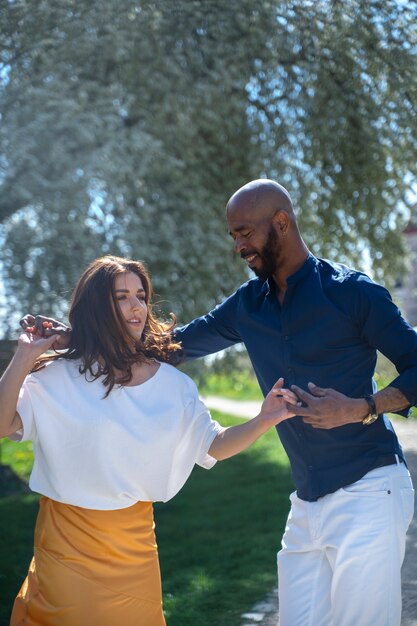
(372,411)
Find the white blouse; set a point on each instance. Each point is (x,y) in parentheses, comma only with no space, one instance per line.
(139,443)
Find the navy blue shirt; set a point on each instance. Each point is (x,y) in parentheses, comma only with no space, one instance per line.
(332,322)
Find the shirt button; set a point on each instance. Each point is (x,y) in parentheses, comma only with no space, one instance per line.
(300,434)
(286,337)
(310,467)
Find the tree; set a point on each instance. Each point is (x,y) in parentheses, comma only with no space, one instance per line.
(340,111)
(126,126)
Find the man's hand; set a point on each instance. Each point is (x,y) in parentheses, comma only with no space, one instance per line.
(46,327)
(327,408)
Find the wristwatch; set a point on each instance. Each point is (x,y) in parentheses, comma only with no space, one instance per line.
(372,414)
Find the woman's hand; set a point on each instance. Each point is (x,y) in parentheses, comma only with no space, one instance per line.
(30,346)
(280,404)
(46,327)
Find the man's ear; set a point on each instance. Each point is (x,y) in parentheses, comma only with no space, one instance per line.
(281,221)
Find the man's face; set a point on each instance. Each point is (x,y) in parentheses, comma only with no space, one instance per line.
(256,241)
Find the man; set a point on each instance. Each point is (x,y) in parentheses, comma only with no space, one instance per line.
(318,324)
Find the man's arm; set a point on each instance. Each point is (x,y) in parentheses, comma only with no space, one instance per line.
(205,335)
(212,332)
(381,325)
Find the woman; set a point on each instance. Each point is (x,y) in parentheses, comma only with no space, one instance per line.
(114,428)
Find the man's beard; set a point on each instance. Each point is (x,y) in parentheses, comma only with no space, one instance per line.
(269,256)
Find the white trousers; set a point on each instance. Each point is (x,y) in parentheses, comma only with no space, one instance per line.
(340,563)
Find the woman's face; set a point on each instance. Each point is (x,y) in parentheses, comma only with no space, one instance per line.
(130,296)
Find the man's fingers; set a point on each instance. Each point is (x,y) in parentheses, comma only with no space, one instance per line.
(314,424)
(59,325)
(302,409)
(62,331)
(27,321)
(40,329)
(316,391)
(302,395)
(47,326)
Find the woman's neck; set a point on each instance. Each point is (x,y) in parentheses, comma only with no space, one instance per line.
(141,372)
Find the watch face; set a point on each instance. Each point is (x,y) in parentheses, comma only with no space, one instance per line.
(369,419)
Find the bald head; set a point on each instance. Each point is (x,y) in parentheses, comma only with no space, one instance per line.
(262,197)
(262,224)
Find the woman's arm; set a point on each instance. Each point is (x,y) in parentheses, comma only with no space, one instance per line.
(275,409)
(29,348)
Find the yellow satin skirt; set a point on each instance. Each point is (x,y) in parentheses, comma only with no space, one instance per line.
(92,568)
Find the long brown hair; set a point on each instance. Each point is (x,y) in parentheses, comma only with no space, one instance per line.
(99,336)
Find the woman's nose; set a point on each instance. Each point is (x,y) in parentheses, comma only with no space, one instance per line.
(135,302)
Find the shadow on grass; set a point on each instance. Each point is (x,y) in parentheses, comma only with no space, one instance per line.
(17,521)
(10,483)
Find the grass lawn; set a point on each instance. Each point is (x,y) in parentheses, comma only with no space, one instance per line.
(217,539)
(18,456)
(237,386)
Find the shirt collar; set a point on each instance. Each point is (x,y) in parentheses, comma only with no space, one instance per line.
(305,269)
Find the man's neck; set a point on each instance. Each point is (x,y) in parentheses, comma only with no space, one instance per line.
(287,269)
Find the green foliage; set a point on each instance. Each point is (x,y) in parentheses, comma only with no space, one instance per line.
(19,456)
(126,127)
(217,539)
(237,386)
(122,95)
(227,375)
